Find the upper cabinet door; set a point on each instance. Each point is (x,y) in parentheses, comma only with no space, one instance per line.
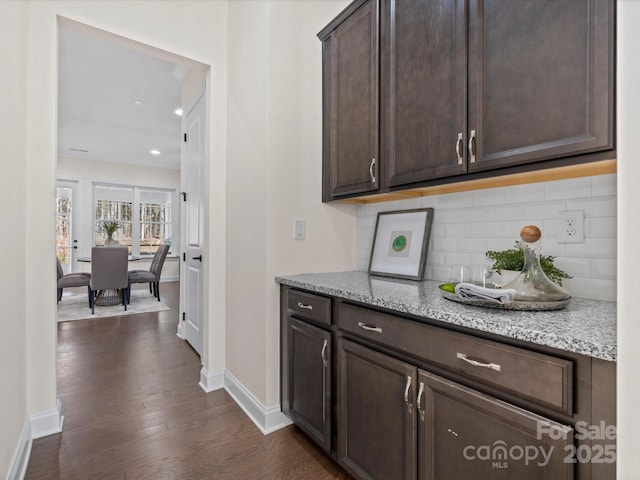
(423,87)
(351,111)
(540,80)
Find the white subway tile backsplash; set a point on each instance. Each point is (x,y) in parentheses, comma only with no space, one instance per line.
(532,192)
(593,288)
(566,189)
(543,210)
(601,227)
(594,207)
(487,229)
(473,245)
(458,230)
(603,185)
(506,212)
(593,248)
(603,268)
(466,225)
(473,215)
(490,196)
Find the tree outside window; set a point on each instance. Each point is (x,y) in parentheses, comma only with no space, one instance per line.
(145,216)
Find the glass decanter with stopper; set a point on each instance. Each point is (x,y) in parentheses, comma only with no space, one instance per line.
(532,284)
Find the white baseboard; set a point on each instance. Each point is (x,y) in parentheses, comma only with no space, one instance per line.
(47,423)
(180,331)
(169,278)
(20,460)
(211,381)
(266,419)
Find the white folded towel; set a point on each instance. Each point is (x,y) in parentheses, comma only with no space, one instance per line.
(475,292)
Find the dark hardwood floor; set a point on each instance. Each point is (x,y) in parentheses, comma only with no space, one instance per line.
(133,410)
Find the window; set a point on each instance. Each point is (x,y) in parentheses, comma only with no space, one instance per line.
(144,214)
(63,224)
(155,220)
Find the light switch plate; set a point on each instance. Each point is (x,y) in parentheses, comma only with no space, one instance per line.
(299,228)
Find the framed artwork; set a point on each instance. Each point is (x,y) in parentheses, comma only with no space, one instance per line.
(400,243)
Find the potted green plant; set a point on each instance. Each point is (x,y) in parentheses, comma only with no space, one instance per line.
(513,260)
(109,227)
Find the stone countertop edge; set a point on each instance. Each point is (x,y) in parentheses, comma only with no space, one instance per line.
(587,327)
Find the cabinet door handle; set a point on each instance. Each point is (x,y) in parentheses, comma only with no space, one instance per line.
(406,395)
(472,149)
(475,363)
(304,306)
(324,349)
(372,173)
(324,381)
(459,148)
(369,328)
(419,402)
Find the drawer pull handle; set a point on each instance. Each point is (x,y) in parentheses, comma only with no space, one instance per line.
(475,363)
(369,328)
(419,402)
(324,349)
(406,395)
(306,307)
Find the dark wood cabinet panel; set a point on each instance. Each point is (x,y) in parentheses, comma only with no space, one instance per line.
(309,380)
(540,80)
(423,90)
(376,414)
(467,435)
(430,92)
(351,107)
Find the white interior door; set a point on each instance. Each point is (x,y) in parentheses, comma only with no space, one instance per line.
(68,220)
(192,173)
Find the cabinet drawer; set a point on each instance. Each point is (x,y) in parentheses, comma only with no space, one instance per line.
(536,377)
(309,306)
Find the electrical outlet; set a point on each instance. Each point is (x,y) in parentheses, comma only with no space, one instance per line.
(571,226)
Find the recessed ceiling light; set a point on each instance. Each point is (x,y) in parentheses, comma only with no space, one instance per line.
(137,103)
(178,111)
(155,152)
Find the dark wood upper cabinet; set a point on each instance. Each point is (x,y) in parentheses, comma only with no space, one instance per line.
(350,104)
(540,80)
(461,89)
(423,90)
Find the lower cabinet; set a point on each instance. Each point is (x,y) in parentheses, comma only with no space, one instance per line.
(466,435)
(309,380)
(376,418)
(399,422)
(391,398)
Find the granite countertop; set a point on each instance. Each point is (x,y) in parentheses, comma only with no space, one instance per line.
(587,327)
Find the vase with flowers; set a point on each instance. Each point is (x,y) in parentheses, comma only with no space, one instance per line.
(109,227)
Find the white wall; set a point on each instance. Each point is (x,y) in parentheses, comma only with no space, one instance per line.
(193,29)
(274,162)
(628,104)
(467,224)
(13,282)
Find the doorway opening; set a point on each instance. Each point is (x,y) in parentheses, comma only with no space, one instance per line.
(120,134)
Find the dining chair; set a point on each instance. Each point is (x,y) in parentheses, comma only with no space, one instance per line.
(80,279)
(109,272)
(151,276)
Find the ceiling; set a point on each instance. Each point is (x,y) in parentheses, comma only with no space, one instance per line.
(100,84)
